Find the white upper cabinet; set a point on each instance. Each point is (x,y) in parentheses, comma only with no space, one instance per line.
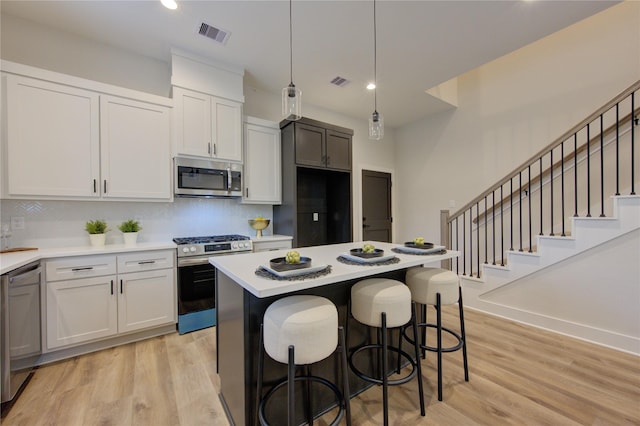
(135,145)
(52,139)
(67,139)
(262,171)
(207,126)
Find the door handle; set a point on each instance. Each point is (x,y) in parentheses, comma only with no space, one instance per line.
(366,226)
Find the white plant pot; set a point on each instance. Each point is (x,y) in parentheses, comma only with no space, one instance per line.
(97,240)
(130,238)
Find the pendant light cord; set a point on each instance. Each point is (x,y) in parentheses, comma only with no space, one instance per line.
(291,40)
(375,60)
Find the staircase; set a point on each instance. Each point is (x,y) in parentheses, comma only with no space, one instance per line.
(556,243)
(586,285)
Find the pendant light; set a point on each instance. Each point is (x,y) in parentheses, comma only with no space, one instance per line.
(291,97)
(376,121)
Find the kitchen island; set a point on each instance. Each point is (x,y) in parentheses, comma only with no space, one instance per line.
(243,296)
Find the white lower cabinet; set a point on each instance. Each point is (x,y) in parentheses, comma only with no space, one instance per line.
(82,307)
(81,310)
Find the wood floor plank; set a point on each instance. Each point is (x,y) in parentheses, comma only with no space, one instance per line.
(519,375)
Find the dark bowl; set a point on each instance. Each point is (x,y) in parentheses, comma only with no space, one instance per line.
(358,252)
(279,264)
(424,246)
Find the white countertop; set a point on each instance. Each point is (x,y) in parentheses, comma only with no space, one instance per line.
(242,268)
(11,261)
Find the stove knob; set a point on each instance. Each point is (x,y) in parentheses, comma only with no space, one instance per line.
(246,245)
(192,249)
(234,246)
(185,249)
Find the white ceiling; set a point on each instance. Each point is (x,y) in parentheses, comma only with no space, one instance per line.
(420,43)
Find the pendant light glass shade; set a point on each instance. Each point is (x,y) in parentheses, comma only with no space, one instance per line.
(291,97)
(376,121)
(291,102)
(376,126)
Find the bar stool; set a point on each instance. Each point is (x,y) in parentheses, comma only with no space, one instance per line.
(383,304)
(438,287)
(299,331)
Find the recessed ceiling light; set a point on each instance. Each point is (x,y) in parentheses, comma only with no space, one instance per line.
(371,86)
(169,4)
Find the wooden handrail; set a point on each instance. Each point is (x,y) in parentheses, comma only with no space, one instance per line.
(634,87)
(568,158)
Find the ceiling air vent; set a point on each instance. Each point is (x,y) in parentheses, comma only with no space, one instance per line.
(340,81)
(217,34)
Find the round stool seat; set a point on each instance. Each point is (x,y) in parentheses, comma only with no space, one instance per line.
(371,297)
(425,283)
(309,323)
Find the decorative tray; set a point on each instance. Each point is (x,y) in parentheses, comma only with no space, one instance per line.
(378,259)
(366,255)
(407,249)
(279,264)
(423,246)
(295,272)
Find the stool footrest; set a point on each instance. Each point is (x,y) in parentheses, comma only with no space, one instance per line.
(453,348)
(379,381)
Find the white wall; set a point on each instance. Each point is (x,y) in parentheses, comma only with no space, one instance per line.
(509,109)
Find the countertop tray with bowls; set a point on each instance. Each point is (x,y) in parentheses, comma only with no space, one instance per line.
(295,272)
(356,255)
(417,249)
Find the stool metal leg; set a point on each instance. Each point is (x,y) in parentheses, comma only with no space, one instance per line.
(416,346)
(385,379)
(463,335)
(423,310)
(260,374)
(345,374)
(439,329)
(291,388)
(307,385)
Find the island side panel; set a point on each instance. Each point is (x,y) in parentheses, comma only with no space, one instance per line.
(231,355)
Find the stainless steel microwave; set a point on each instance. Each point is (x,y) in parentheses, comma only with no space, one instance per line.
(207,178)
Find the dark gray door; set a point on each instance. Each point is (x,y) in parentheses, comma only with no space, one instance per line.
(376,206)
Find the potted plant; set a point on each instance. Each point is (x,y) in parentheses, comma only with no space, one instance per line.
(129,229)
(97,232)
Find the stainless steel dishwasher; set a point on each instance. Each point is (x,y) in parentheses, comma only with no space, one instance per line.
(20,346)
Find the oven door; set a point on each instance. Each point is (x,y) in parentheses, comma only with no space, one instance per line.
(196,285)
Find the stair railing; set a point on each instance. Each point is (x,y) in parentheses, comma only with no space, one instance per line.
(575,174)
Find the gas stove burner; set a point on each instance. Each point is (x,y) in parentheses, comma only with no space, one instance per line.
(214,244)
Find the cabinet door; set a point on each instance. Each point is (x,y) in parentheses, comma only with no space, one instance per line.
(146,299)
(262,172)
(309,146)
(226,126)
(192,111)
(338,150)
(135,149)
(81,310)
(52,139)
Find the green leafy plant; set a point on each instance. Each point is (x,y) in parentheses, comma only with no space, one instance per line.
(96,226)
(129,226)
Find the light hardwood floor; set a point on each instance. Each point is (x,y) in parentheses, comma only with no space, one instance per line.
(519,375)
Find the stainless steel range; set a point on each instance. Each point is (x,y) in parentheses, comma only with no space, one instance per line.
(197,277)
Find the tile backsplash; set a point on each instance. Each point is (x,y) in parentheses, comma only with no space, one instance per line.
(61,223)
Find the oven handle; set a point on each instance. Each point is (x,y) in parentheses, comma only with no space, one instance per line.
(193,262)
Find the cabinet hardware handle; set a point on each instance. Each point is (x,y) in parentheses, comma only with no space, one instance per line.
(209,148)
(86,268)
(143,262)
(105,186)
(120,286)
(95,189)
(112,287)
(246,190)
(214,149)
